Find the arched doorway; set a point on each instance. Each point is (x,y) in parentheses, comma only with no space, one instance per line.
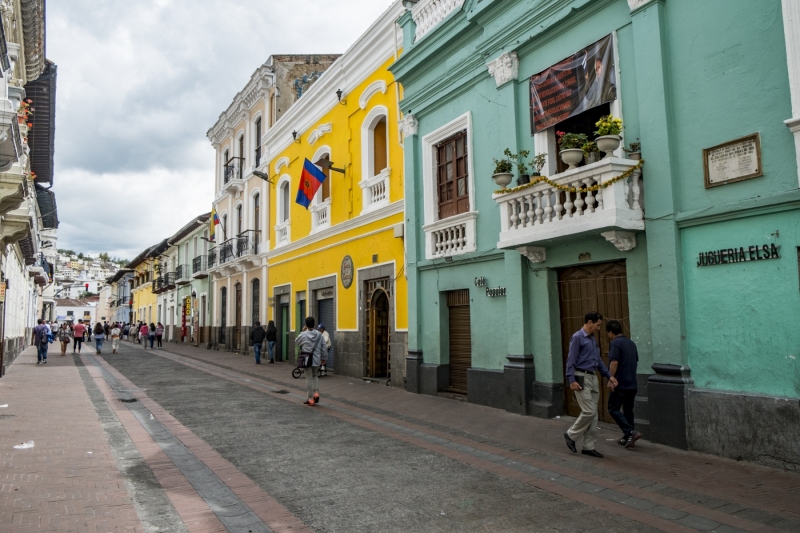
(378,335)
(237,325)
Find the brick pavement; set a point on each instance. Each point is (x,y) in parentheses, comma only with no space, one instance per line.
(743,495)
(69,480)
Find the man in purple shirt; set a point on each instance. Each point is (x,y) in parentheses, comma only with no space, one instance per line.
(583,361)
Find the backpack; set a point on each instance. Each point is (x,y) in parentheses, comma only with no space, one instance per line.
(305,359)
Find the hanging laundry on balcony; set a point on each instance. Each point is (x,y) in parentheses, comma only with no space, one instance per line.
(310,180)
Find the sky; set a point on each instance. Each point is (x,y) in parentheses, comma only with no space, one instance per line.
(140,82)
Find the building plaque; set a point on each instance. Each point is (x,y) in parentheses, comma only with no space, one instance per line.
(733,161)
(347,272)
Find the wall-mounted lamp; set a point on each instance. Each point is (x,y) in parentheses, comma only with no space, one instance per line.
(339,94)
(294,136)
(263,176)
(328,164)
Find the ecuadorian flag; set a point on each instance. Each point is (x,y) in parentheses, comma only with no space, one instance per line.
(214,220)
(310,180)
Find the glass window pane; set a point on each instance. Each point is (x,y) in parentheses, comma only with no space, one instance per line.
(462,187)
(449,171)
(460,146)
(449,152)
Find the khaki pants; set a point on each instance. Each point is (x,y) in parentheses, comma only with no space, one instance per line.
(114,343)
(586,424)
(312,380)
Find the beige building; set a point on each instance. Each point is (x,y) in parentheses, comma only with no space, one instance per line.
(236,261)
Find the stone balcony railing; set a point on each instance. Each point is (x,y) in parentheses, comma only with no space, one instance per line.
(450,236)
(375,191)
(428,13)
(542,214)
(282,233)
(320,216)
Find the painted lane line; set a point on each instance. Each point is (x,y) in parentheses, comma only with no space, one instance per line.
(231,511)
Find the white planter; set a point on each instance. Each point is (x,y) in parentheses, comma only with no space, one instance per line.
(636,156)
(572,156)
(502,179)
(608,143)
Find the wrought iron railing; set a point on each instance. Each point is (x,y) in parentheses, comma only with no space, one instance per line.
(212,258)
(247,243)
(199,264)
(233,168)
(182,272)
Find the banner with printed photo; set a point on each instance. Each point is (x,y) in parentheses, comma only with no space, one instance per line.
(582,81)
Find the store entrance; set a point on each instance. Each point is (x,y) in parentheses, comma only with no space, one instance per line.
(603,288)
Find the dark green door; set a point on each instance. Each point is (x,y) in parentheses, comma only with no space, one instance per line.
(285,325)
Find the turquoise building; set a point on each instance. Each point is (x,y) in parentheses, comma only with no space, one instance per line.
(690,240)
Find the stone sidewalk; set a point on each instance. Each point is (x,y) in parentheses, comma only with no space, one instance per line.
(748,496)
(69,480)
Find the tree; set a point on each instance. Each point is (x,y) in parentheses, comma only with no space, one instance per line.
(104,257)
(66,252)
(80,255)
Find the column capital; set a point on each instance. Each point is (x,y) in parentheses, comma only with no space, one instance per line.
(409,125)
(505,68)
(636,5)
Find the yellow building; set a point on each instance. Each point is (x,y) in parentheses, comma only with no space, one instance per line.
(145,268)
(342,259)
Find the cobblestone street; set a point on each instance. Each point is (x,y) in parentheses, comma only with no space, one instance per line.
(216,443)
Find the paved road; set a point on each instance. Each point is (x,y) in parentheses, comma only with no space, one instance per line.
(213,442)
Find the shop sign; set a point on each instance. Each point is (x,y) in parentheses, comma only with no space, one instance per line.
(347,271)
(733,161)
(2,291)
(480,282)
(582,81)
(324,294)
(739,255)
(493,293)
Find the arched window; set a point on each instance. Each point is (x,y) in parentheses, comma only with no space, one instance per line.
(379,146)
(257,214)
(239,220)
(226,175)
(326,185)
(223,313)
(224,226)
(254,297)
(284,199)
(241,155)
(258,142)
(375,159)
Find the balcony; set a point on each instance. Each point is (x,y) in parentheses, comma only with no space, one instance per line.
(183,275)
(375,191)
(320,216)
(542,214)
(428,13)
(450,236)
(164,283)
(200,267)
(283,233)
(233,176)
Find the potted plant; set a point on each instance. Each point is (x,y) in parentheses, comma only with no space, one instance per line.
(569,145)
(502,172)
(608,129)
(538,164)
(591,152)
(635,151)
(24,111)
(518,161)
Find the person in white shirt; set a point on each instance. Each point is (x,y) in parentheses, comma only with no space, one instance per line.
(115,336)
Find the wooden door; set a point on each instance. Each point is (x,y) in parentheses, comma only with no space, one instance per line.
(602,288)
(237,315)
(460,339)
(378,329)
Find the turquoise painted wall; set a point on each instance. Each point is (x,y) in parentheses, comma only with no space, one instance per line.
(742,318)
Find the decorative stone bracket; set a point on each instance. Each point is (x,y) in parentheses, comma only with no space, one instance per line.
(624,241)
(535,254)
(505,68)
(408,125)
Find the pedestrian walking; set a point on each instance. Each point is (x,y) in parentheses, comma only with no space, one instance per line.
(99,337)
(64,337)
(126,329)
(159,333)
(310,344)
(151,334)
(257,336)
(106,329)
(326,338)
(143,334)
(115,336)
(623,359)
(583,361)
(40,340)
(272,337)
(77,335)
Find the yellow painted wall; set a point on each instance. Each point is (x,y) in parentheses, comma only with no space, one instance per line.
(323,257)
(143,295)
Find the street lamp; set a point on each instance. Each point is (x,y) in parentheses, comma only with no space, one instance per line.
(261,175)
(328,164)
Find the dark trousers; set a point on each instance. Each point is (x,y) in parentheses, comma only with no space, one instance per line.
(622,399)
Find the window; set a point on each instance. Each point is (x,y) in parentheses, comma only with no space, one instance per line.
(451,175)
(241,155)
(223,312)
(257,213)
(582,123)
(326,185)
(379,147)
(70,313)
(284,202)
(258,142)
(224,225)
(239,228)
(255,299)
(225,173)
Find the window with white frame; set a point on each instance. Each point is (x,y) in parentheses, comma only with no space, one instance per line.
(257,141)
(375,159)
(449,190)
(283,222)
(320,207)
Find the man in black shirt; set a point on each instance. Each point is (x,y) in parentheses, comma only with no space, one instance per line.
(623,358)
(257,335)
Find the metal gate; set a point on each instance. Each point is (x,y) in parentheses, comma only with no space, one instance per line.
(460,339)
(325,312)
(237,324)
(602,288)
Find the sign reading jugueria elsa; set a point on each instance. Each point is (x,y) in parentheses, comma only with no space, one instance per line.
(739,255)
(582,81)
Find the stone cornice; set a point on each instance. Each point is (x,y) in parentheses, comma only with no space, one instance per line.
(256,89)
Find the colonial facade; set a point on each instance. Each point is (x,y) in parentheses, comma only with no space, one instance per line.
(237,261)
(120,298)
(27,206)
(695,251)
(341,260)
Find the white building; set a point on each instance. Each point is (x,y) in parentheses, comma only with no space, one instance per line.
(72,310)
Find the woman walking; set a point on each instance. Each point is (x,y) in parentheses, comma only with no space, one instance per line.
(311,345)
(99,337)
(159,333)
(272,336)
(143,335)
(115,336)
(77,334)
(64,336)
(151,334)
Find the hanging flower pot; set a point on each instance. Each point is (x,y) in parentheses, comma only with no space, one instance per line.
(502,179)
(572,156)
(608,143)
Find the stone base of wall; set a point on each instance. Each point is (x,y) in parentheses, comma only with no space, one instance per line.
(398,348)
(547,401)
(349,357)
(486,387)
(750,427)
(11,349)
(433,378)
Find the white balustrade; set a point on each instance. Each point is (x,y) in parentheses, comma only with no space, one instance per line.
(378,192)
(451,236)
(428,13)
(375,191)
(543,212)
(282,233)
(322,215)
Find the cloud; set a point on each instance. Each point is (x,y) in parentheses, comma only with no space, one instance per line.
(139,84)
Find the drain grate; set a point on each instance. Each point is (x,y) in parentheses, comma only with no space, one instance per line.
(128,400)
(281,391)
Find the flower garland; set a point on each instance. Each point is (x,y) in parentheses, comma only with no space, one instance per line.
(566,188)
